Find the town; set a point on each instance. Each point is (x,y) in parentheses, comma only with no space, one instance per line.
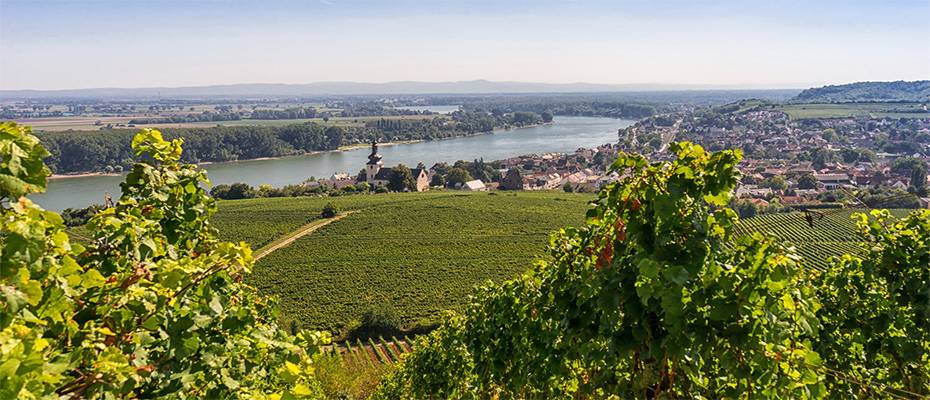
(788,164)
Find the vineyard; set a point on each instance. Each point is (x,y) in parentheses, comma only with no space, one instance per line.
(420,254)
(365,352)
(833,235)
(261,221)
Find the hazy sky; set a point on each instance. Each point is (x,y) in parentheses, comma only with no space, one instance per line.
(134,43)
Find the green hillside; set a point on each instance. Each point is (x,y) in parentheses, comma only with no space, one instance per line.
(916,91)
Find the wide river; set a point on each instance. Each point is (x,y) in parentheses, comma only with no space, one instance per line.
(566,134)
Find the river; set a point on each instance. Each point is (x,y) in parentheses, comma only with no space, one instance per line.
(566,134)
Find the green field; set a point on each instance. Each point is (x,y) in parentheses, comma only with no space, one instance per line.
(260,221)
(417,253)
(875,110)
(834,235)
(422,253)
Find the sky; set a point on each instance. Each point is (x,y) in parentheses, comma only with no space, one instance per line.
(47,44)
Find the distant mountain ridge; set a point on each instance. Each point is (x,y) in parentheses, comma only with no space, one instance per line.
(350,88)
(915,91)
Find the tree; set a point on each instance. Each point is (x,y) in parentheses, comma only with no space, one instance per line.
(479,170)
(437,181)
(807,181)
(919,179)
(329,210)
(153,306)
(513,180)
(401,179)
(905,165)
(240,190)
(457,177)
(334,136)
(775,183)
(362,176)
(820,157)
(546,117)
(568,188)
(521,118)
(744,208)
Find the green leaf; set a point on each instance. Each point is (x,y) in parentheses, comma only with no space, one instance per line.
(91,279)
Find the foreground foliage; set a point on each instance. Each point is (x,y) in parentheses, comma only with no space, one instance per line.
(656,298)
(153,306)
(876,314)
(644,301)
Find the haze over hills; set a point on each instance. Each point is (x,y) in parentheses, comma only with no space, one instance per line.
(355,88)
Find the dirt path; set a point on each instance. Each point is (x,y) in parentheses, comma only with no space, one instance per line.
(299,233)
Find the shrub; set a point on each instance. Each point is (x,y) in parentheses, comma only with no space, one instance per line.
(329,210)
(377,320)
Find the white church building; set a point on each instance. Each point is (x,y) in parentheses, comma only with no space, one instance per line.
(376,174)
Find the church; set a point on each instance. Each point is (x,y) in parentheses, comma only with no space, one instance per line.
(376,174)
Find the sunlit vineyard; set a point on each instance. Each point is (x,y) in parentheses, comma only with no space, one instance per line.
(833,235)
(417,253)
(422,253)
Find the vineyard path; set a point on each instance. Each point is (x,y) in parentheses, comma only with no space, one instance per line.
(299,233)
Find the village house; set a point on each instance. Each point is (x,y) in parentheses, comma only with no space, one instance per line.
(474,186)
(833,181)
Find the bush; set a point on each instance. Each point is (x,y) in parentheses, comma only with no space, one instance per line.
(235,191)
(329,210)
(79,216)
(377,320)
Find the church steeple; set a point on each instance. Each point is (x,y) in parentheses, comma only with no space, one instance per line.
(374,158)
(373,166)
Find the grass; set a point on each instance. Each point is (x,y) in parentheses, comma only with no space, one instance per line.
(844,110)
(419,253)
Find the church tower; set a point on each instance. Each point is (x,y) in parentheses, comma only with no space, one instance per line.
(374,163)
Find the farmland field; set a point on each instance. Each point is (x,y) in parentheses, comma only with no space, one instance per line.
(834,235)
(420,254)
(842,110)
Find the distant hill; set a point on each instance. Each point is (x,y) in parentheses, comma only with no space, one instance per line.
(265,90)
(916,91)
